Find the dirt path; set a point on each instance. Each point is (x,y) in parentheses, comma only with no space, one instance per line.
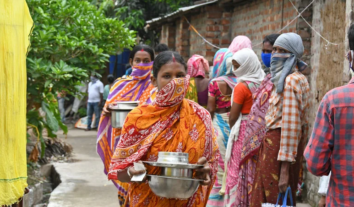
(83,181)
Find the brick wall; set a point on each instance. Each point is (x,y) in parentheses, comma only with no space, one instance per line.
(213,23)
(164,34)
(218,30)
(197,45)
(182,39)
(260,18)
(168,35)
(255,19)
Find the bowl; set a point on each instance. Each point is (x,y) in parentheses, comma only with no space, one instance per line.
(173,187)
(172,157)
(120,111)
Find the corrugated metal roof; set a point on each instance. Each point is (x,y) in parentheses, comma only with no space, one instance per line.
(180,11)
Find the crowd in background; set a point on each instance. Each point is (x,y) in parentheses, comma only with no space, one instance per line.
(253,118)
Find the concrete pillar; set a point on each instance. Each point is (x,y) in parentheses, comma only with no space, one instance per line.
(349,17)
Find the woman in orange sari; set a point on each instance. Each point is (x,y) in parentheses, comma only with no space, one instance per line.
(135,87)
(171,124)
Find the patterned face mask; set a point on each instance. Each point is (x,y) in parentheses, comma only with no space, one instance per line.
(173,93)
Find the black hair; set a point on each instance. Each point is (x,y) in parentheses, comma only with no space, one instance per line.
(271,38)
(161,48)
(146,48)
(166,57)
(110,78)
(351,37)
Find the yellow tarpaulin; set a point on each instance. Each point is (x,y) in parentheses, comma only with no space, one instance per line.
(15,26)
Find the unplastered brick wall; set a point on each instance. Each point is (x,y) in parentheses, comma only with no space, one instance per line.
(213,23)
(182,38)
(260,18)
(164,34)
(168,35)
(197,45)
(217,30)
(171,42)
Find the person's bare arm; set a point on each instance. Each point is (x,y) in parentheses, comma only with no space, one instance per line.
(211,107)
(284,176)
(234,113)
(224,88)
(101,99)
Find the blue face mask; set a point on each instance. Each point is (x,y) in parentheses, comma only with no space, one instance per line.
(266,57)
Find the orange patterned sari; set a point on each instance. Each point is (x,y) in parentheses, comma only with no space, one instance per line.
(171,124)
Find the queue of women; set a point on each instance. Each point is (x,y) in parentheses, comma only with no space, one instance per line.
(220,119)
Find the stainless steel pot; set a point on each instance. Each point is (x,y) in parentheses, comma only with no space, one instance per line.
(172,157)
(176,172)
(120,111)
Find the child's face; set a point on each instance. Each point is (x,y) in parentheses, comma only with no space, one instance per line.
(168,72)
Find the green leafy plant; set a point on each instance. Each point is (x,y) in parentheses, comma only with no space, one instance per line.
(70,40)
(82,112)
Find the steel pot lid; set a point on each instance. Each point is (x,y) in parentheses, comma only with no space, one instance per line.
(177,154)
(123,105)
(174,165)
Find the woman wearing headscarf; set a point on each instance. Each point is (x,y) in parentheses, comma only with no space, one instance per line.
(250,75)
(219,105)
(135,87)
(170,124)
(280,153)
(198,83)
(239,42)
(255,128)
(198,89)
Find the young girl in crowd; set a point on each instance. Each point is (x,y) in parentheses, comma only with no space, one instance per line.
(135,87)
(250,75)
(171,123)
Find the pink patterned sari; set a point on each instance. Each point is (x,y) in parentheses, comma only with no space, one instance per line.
(253,137)
(235,159)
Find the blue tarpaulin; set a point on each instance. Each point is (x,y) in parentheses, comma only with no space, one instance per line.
(117,63)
